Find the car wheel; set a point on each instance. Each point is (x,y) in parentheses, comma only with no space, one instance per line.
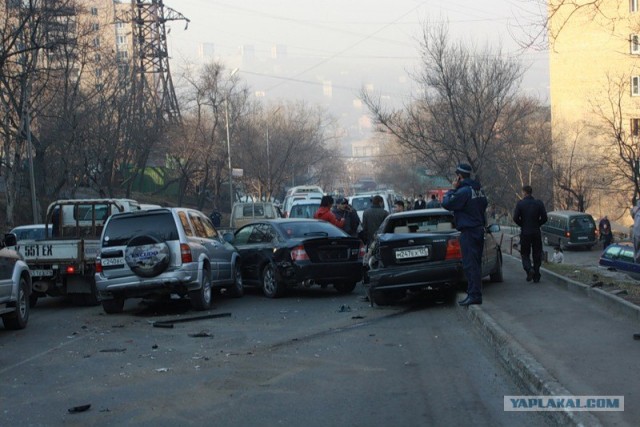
(270,285)
(237,289)
(201,298)
(344,287)
(387,297)
(18,319)
(496,274)
(113,306)
(147,256)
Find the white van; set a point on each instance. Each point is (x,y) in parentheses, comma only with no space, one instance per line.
(361,202)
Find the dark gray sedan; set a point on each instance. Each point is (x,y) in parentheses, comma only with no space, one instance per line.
(419,251)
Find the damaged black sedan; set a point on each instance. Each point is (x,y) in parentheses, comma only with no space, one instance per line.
(282,253)
(418,251)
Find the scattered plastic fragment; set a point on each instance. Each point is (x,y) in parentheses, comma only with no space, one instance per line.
(113,350)
(169,323)
(162,369)
(201,334)
(80,408)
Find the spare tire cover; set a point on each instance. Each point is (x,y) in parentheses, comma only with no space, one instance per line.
(147,256)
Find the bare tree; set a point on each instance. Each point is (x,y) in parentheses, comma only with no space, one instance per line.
(466,96)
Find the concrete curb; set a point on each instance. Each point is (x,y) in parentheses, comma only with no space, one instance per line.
(525,368)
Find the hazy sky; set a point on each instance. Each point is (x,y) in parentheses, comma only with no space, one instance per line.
(349,42)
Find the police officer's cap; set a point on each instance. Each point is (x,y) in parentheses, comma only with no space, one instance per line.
(464,169)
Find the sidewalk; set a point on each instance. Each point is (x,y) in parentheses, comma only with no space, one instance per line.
(563,342)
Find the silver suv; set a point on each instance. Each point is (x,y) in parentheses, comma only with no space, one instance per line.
(164,251)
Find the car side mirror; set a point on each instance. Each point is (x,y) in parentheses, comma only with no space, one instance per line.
(10,239)
(493,228)
(228,237)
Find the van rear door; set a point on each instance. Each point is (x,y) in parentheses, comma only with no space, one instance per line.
(582,229)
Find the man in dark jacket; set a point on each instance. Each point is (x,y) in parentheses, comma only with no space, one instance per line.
(468,203)
(530,214)
(351,218)
(372,218)
(420,203)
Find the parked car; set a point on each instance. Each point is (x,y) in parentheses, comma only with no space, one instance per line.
(15,286)
(246,212)
(569,229)
(305,208)
(284,253)
(300,196)
(417,251)
(31,232)
(164,251)
(620,257)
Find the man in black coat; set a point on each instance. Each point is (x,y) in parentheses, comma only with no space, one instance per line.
(530,214)
(420,203)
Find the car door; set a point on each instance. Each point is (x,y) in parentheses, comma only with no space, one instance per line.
(223,251)
(489,253)
(212,247)
(255,244)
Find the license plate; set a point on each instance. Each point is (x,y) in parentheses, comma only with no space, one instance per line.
(412,253)
(582,237)
(108,262)
(41,273)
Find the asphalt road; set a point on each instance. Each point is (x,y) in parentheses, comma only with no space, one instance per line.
(314,358)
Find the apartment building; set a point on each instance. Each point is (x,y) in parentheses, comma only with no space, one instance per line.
(594,59)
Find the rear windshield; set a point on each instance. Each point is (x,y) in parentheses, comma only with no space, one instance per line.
(361,203)
(31,233)
(122,229)
(304,211)
(420,224)
(310,229)
(582,223)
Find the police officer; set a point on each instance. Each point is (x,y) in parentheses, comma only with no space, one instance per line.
(468,204)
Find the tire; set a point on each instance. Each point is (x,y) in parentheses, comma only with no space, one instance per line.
(147,256)
(496,275)
(113,306)
(237,289)
(345,287)
(19,318)
(201,298)
(271,288)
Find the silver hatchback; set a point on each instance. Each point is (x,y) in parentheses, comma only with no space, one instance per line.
(164,251)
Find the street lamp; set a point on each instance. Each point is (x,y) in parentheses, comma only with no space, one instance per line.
(226,115)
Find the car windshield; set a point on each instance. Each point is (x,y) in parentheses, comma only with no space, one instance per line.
(420,224)
(582,223)
(298,229)
(361,203)
(121,229)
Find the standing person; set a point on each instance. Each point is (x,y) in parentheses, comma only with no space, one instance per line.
(324,212)
(420,203)
(351,219)
(433,203)
(372,218)
(635,213)
(604,228)
(468,203)
(530,214)
(398,206)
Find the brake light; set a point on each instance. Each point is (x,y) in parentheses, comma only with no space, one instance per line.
(568,234)
(185,253)
(98,266)
(362,251)
(71,269)
(299,254)
(453,249)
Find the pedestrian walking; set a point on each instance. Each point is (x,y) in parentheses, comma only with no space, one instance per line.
(604,229)
(420,203)
(324,212)
(433,203)
(372,218)
(468,203)
(530,214)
